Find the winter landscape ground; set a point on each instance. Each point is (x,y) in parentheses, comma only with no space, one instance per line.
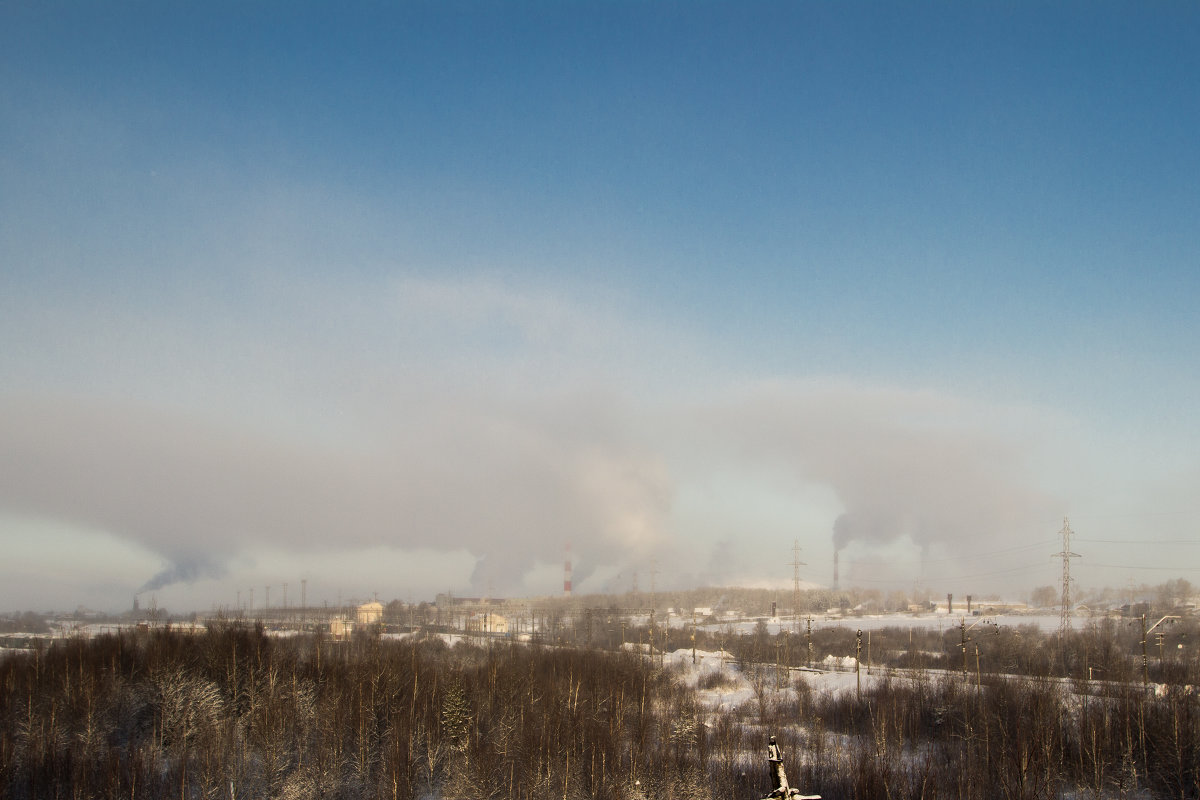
(232,711)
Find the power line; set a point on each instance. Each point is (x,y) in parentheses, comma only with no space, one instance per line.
(1140,541)
(959,559)
(984,554)
(1130,566)
(1024,568)
(1180,512)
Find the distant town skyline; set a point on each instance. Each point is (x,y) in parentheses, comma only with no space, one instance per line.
(412,299)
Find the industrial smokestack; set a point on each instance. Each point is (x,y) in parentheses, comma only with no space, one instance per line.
(835,570)
(567,573)
(949,604)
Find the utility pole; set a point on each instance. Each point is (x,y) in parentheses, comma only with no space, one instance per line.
(857,661)
(796,565)
(964,628)
(779,664)
(653,602)
(1145,633)
(1064,623)
(1064,620)
(693,634)
(810,647)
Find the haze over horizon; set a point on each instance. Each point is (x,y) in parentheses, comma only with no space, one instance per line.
(410,299)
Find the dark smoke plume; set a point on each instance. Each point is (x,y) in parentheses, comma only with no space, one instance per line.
(183,571)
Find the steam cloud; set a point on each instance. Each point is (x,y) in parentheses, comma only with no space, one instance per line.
(511,484)
(510,487)
(903,464)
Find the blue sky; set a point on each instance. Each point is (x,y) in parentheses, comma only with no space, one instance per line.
(403,298)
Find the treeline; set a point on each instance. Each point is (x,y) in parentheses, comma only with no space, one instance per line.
(23,622)
(763,602)
(1103,650)
(234,713)
(1026,715)
(1008,738)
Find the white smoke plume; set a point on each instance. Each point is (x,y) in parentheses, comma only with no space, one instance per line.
(903,464)
(509,487)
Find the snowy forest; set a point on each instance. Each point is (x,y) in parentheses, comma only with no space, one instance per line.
(234,712)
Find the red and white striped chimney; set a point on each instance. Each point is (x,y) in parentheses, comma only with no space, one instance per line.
(567,573)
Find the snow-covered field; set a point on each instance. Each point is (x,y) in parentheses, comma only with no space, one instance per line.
(735,688)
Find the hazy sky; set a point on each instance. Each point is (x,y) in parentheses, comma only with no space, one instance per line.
(402,298)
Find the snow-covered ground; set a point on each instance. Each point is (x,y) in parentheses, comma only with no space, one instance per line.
(735,689)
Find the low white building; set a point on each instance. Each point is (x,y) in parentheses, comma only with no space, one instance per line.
(340,628)
(369,613)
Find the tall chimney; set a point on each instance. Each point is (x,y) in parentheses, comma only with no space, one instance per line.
(567,574)
(835,570)
(949,603)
